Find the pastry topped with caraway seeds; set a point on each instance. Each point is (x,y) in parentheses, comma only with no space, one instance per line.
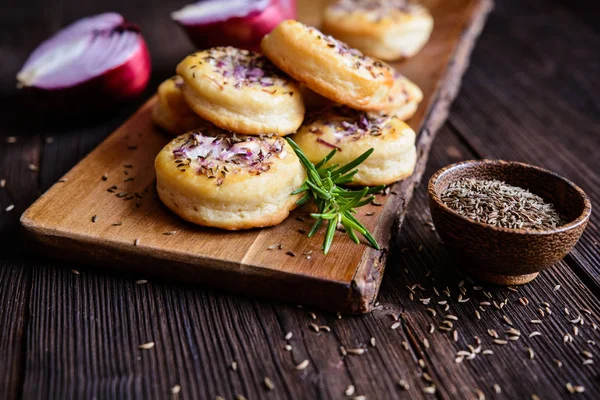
(386,29)
(241,91)
(328,66)
(353,132)
(215,178)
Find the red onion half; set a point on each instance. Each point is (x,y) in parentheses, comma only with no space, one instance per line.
(238,23)
(95,62)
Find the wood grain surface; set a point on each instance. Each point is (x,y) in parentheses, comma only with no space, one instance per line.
(81,218)
(530,95)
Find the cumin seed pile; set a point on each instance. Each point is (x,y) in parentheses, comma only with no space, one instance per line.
(496,203)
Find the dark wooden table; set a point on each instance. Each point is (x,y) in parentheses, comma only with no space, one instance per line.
(531,94)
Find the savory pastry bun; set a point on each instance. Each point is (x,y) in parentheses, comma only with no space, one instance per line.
(328,66)
(171,112)
(241,91)
(352,133)
(386,29)
(313,101)
(214,178)
(404,98)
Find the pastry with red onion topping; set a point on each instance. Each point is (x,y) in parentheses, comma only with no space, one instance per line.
(214,178)
(351,133)
(171,112)
(241,91)
(404,98)
(386,29)
(329,67)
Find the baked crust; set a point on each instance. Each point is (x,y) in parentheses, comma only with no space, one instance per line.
(213,178)
(386,29)
(354,132)
(171,112)
(404,98)
(328,66)
(241,91)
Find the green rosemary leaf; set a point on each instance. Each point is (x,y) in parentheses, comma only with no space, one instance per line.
(315,228)
(334,204)
(304,199)
(355,163)
(365,232)
(327,158)
(331,225)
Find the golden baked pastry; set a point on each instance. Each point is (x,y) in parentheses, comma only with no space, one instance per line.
(214,178)
(171,112)
(328,66)
(241,91)
(404,98)
(352,133)
(386,29)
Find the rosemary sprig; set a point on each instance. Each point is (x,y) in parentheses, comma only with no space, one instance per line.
(335,205)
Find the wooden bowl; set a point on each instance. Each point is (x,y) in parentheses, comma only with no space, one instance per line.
(508,256)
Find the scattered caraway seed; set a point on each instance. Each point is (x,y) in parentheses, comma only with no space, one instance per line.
(535,333)
(396,325)
(500,341)
(349,390)
(373,342)
(587,354)
(146,346)
(269,383)
(274,246)
(9,208)
(429,389)
(556,287)
(497,388)
(290,253)
(324,328)
(404,384)
(136,242)
(314,327)
(530,353)
(479,393)
(487,352)
(358,351)
(422,363)
(536,321)
(234,366)
(288,335)
(117,223)
(169,233)
(141,282)
(33,167)
(302,365)
(175,389)
(94,218)
(104,177)
(312,315)
(74,272)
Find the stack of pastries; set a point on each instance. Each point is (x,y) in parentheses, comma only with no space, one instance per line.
(230,167)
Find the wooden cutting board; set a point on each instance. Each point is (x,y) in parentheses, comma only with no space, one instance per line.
(79,219)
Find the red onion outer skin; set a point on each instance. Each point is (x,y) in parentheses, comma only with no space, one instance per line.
(242,32)
(104,92)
